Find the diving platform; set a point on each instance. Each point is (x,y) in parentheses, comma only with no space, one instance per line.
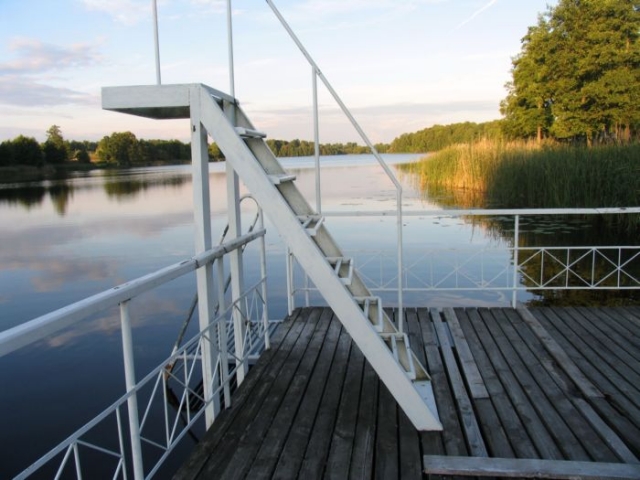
(538,393)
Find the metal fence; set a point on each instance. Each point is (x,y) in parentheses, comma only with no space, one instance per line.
(507,266)
(191,385)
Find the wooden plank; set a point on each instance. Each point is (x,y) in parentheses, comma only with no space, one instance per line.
(533,342)
(339,459)
(452,436)
(616,415)
(610,437)
(408,436)
(386,448)
(430,442)
(541,437)
(529,468)
(467,362)
(616,357)
(620,390)
(409,449)
(585,386)
(284,337)
(470,426)
(608,326)
(267,456)
(509,419)
(292,453)
(254,420)
(364,441)
(581,437)
(631,315)
(319,443)
(555,412)
(624,320)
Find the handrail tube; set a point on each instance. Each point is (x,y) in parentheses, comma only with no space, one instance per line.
(43,326)
(478,212)
(122,400)
(366,140)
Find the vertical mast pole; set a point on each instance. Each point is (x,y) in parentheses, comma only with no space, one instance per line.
(232,88)
(156,40)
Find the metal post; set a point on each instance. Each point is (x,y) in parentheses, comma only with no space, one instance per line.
(232,88)
(316,137)
(400,264)
(290,293)
(516,244)
(132,401)
(237,272)
(156,42)
(222,336)
(263,275)
(203,242)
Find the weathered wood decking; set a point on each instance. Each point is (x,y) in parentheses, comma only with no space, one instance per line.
(554,384)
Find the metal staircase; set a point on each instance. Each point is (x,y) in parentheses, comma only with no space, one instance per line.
(302,229)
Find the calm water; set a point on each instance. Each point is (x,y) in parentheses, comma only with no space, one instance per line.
(62,241)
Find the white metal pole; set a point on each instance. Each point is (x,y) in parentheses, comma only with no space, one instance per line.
(290,293)
(263,275)
(516,243)
(132,401)
(156,40)
(400,263)
(232,87)
(222,336)
(316,137)
(203,242)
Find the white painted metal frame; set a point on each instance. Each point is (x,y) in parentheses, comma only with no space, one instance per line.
(317,73)
(184,373)
(501,268)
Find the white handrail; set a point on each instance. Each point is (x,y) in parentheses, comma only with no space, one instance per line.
(363,136)
(41,327)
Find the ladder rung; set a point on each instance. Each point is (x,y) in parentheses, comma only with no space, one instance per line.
(248,133)
(375,317)
(398,343)
(311,223)
(343,267)
(279,178)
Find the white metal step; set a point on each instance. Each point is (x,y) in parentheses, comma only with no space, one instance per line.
(281,178)
(249,133)
(398,343)
(311,223)
(372,308)
(343,267)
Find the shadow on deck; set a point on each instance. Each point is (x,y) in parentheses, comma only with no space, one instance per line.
(552,384)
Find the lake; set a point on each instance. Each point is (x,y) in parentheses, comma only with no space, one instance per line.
(64,240)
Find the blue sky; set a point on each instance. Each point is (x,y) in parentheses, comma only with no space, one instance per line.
(399,65)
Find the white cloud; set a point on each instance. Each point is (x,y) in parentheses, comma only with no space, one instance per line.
(34,56)
(22,91)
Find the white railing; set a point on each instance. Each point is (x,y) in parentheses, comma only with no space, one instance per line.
(172,391)
(499,266)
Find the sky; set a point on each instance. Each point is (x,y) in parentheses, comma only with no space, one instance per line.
(400,66)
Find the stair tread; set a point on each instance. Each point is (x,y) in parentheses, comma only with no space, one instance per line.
(279,178)
(249,133)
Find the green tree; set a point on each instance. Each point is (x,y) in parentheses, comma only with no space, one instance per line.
(54,148)
(121,149)
(6,153)
(26,151)
(527,107)
(578,74)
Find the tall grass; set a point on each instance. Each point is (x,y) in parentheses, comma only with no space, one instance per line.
(529,175)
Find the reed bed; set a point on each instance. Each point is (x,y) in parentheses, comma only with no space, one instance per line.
(531,175)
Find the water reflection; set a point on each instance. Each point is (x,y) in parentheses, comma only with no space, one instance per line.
(28,196)
(557,267)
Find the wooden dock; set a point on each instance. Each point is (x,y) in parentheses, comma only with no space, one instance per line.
(559,387)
